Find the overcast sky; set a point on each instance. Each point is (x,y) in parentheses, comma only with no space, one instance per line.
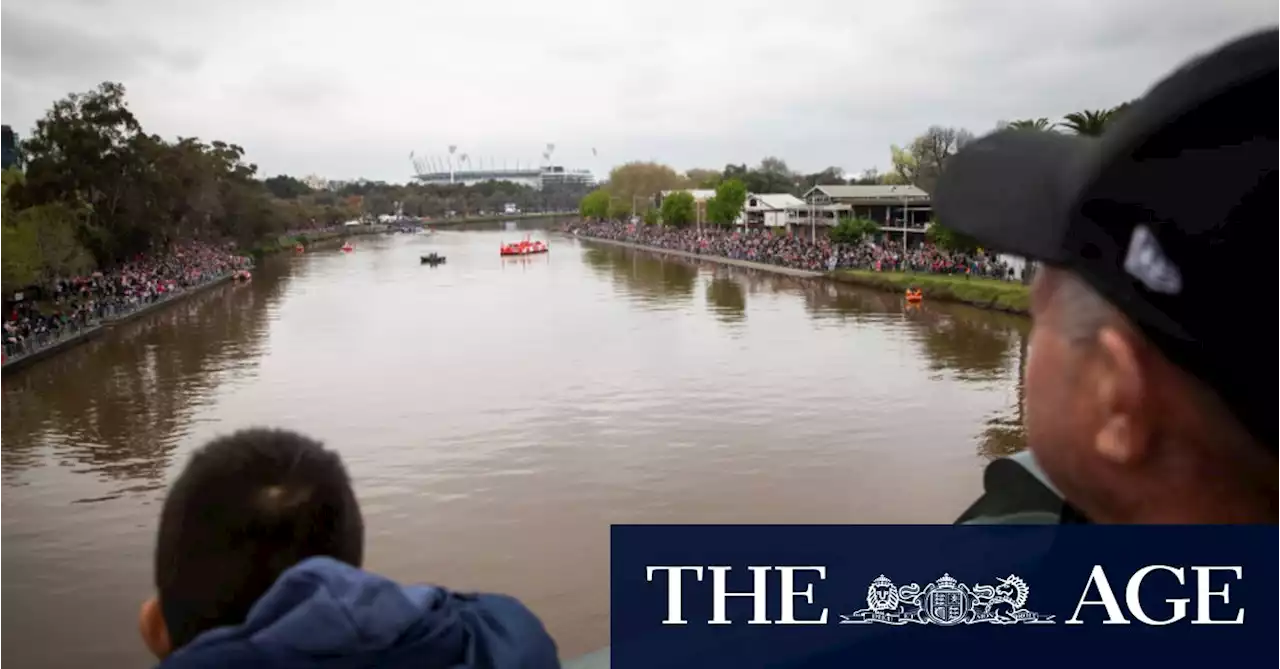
(346,88)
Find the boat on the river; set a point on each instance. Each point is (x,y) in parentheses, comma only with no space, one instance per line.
(524,247)
(299,248)
(914,295)
(242,275)
(347,247)
(432,259)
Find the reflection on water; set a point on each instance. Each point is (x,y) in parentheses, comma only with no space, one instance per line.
(727,297)
(1005,433)
(970,344)
(652,278)
(487,404)
(116,406)
(91,438)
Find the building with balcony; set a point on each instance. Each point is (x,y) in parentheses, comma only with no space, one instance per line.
(774,210)
(900,210)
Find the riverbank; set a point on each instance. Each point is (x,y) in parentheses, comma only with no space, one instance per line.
(494,218)
(992,294)
(765,267)
(87,333)
(315,239)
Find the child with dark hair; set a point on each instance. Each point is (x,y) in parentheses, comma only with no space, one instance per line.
(258,565)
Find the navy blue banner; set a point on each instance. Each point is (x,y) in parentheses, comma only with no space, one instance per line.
(1078,596)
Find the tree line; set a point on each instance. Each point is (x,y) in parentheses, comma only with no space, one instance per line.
(632,189)
(91,188)
(922,161)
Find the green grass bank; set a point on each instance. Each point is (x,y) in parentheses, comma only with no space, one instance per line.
(311,240)
(986,293)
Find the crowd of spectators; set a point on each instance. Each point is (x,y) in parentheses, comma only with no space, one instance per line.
(61,308)
(800,251)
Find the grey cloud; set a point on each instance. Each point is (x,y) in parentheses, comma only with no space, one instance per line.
(36,48)
(348,90)
(295,89)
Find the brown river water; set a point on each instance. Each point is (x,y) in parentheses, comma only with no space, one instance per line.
(496,416)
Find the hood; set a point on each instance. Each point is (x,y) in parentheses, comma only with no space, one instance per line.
(325,614)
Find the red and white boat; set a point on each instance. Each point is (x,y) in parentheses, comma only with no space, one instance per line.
(523,248)
(348,247)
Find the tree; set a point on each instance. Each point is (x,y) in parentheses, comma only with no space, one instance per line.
(703,178)
(85,151)
(595,205)
(933,149)
(1041,123)
(651,217)
(727,204)
(854,230)
(677,209)
(643,179)
(9,177)
(832,176)
(286,187)
(771,176)
(1090,122)
(905,167)
(619,209)
(922,162)
(53,228)
(869,177)
(40,242)
(951,240)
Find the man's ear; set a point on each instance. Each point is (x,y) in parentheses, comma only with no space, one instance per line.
(1124,434)
(155,634)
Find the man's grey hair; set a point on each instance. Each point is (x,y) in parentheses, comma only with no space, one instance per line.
(1083,311)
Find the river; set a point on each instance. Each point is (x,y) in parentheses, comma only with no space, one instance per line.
(497,415)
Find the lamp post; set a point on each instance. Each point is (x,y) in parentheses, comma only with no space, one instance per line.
(813,223)
(904,222)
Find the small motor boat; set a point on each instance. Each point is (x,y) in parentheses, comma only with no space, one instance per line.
(914,295)
(299,248)
(242,275)
(347,247)
(432,259)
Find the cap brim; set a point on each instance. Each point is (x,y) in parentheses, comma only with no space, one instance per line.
(1012,190)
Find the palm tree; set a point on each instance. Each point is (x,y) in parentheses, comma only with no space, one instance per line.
(1032,124)
(1089,122)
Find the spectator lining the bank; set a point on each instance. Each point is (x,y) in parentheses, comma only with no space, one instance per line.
(799,251)
(78,302)
(258,564)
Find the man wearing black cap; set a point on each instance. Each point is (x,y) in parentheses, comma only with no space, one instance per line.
(1149,390)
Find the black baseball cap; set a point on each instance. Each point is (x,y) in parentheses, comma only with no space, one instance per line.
(1171,215)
